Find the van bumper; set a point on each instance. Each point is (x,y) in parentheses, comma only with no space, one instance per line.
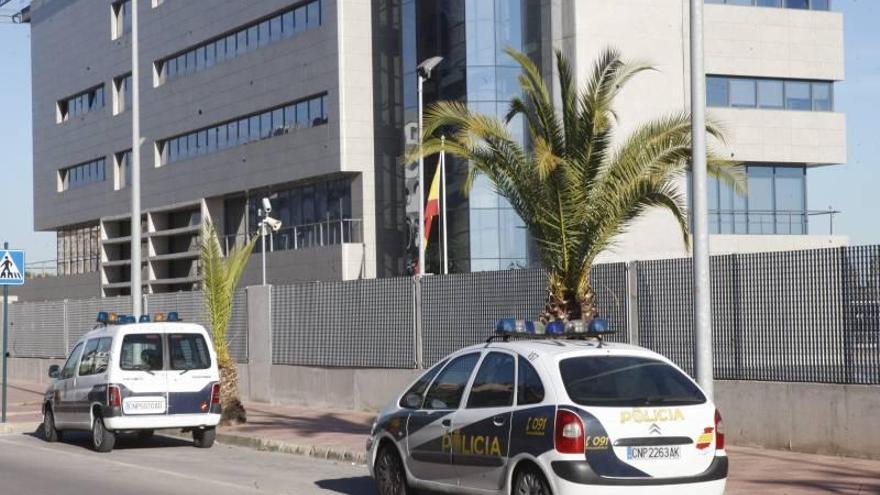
(158,422)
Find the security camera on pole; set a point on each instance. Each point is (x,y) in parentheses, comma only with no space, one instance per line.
(265,225)
(424,71)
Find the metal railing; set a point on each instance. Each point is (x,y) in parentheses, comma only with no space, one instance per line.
(310,235)
(770,222)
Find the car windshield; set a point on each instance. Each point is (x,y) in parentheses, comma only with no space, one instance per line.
(627,381)
(188,351)
(142,352)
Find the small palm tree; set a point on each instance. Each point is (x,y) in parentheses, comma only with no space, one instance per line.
(579,185)
(220,276)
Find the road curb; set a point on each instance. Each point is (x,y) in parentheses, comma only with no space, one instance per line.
(269,445)
(17,428)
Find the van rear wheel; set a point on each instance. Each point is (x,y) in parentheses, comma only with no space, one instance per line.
(103,439)
(204,439)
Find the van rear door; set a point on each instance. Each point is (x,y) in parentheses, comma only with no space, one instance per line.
(142,374)
(191,373)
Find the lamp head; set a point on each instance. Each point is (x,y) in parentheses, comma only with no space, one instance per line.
(424,69)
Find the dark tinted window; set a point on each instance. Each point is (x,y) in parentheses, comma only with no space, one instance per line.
(419,387)
(447,389)
(531,390)
(493,385)
(626,381)
(96,357)
(189,351)
(142,352)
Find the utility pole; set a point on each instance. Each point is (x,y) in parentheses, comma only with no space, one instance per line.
(702,285)
(6,337)
(136,286)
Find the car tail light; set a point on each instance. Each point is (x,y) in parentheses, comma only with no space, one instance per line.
(569,432)
(215,394)
(719,431)
(114,396)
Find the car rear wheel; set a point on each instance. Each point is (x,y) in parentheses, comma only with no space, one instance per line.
(390,474)
(204,439)
(50,432)
(103,439)
(530,481)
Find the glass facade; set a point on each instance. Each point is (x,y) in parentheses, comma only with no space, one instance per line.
(780,4)
(485,232)
(776,202)
(744,92)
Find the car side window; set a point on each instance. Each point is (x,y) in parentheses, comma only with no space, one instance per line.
(70,365)
(412,399)
(96,357)
(493,385)
(530,389)
(448,388)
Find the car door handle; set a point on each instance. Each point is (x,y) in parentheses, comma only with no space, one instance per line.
(499,420)
(446,423)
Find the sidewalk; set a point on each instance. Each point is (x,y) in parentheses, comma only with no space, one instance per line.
(341,435)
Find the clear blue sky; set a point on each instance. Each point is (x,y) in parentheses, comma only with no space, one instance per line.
(848,188)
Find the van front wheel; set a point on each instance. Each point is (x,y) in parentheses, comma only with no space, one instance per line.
(204,439)
(103,439)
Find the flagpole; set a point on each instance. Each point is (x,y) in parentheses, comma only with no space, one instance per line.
(443,204)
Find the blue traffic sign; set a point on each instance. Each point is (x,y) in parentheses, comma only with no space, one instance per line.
(11,267)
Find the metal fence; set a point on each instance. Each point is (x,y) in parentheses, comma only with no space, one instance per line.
(49,329)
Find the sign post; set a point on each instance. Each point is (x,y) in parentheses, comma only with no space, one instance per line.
(11,273)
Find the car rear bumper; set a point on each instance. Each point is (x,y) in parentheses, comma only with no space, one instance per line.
(580,473)
(158,422)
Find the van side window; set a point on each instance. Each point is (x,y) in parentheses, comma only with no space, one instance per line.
(96,357)
(70,365)
(189,351)
(419,387)
(530,388)
(142,352)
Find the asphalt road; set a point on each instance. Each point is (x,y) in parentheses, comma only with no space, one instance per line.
(165,466)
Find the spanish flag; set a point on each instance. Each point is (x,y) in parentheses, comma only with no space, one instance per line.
(432,208)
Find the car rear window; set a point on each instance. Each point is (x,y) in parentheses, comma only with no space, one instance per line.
(626,381)
(188,351)
(141,352)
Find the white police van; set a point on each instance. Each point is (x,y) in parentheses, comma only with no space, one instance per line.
(564,415)
(128,376)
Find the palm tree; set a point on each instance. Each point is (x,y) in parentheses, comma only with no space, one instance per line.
(579,185)
(220,276)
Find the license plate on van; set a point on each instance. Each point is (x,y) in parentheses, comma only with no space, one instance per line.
(144,405)
(653,453)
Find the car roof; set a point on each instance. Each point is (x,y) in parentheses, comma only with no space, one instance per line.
(147,327)
(554,347)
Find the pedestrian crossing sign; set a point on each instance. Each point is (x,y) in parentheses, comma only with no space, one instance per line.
(11,267)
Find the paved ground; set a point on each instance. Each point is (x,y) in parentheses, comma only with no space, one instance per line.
(341,434)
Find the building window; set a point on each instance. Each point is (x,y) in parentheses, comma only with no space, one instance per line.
(122,170)
(276,121)
(780,4)
(121,18)
(78,250)
(81,175)
(88,101)
(157,3)
(776,203)
(121,94)
(312,215)
(282,25)
(744,92)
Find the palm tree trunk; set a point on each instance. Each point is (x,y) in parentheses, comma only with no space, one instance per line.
(233,411)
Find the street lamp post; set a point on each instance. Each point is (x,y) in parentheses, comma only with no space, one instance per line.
(136,287)
(702,287)
(424,72)
(265,224)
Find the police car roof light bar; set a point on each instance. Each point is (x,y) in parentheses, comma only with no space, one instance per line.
(510,327)
(144,319)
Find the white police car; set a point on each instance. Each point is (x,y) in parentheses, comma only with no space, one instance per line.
(127,376)
(550,416)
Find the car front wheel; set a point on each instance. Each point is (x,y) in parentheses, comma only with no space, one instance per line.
(390,474)
(103,439)
(50,432)
(530,481)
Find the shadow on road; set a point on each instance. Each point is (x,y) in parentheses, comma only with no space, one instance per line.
(129,441)
(358,485)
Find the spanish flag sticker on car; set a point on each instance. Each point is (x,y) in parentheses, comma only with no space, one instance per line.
(705,439)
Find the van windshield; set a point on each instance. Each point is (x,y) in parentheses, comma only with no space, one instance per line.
(141,352)
(627,381)
(188,351)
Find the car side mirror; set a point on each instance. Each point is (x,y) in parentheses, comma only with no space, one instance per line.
(54,371)
(413,401)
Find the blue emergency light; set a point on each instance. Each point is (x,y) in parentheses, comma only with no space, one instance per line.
(144,319)
(510,327)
